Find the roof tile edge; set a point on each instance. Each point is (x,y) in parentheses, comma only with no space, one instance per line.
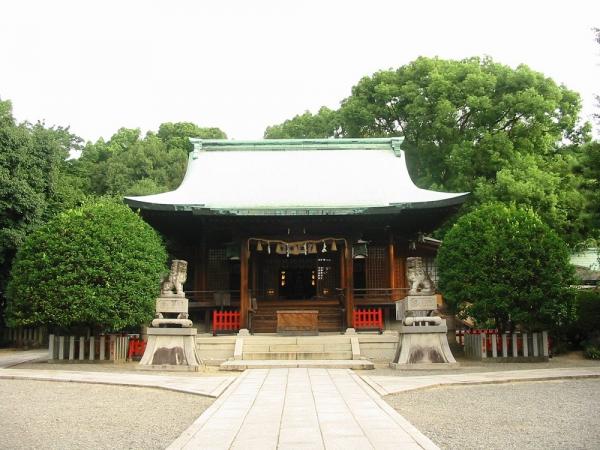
(221,145)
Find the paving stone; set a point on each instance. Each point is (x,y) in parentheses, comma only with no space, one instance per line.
(302,408)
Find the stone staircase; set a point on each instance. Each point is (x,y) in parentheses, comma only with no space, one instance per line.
(339,351)
(297,347)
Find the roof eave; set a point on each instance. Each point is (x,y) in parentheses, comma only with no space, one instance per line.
(394,208)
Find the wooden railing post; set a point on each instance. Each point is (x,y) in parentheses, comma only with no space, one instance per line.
(349,288)
(244,293)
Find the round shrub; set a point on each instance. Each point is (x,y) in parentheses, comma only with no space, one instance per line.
(503,264)
(96,266)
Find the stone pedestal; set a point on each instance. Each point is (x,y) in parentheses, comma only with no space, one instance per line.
(423,346)
(170,349)
(423,337)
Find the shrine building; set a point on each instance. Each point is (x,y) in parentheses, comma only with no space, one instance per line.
(319,225)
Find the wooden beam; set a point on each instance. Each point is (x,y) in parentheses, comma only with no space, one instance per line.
(392,262)
(244,293)
(349,287)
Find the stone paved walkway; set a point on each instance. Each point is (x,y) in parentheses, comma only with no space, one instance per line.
(301,409)
(386,385)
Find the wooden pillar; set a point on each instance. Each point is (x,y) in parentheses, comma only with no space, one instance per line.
(200,265)
(244,293)
(254,268)
(392,263)
(349,286)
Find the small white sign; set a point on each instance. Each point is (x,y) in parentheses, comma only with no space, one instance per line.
(171,305)
(421,303)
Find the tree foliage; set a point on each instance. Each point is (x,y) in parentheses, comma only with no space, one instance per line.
(33,181)
(324,124)
(504,134)
(128,164)
(97,266)
(502,263)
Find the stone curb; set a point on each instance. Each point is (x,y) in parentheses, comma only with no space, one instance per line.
(197,424)
(419,437)
(166,383)
(413,382)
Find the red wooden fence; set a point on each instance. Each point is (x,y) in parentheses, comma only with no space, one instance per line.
(225,321)
(137,346)
(371,318)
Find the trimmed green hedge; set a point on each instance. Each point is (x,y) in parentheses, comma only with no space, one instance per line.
(503,264)
(95,266)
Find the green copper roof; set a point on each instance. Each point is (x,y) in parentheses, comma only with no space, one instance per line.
(289,177)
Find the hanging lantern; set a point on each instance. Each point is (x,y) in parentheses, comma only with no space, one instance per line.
(287,250)
(359,250)
(333,247)
(232,251)
(269,248)
(324,247)
(259,246)
(305,248)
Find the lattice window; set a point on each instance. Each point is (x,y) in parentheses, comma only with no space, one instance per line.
(431,268)
(217,270)
(376,268)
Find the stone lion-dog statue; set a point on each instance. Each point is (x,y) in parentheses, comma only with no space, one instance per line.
(175,279)
(418,279)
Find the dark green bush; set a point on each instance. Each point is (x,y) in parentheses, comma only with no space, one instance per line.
(592,352)
(95,266)
(502,263)
(588,313)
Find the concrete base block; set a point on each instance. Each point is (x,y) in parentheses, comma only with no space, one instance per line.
(423,346)
(170,349)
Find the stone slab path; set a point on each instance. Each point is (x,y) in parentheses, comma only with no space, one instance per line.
(301,408)
(386,385)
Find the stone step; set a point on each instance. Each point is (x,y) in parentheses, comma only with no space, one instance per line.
(300,363)
(308,347)
(274,339)
(340,355)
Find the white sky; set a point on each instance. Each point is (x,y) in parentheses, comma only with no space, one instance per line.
(243,65)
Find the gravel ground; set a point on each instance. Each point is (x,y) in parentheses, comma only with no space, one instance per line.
(51,415)
(526,415)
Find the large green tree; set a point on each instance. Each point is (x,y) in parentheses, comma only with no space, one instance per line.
(97,266)
(503,264)
(33,181)
(307,126)
(472,125)
(129,164)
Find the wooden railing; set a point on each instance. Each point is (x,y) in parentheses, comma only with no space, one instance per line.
(212,299)
(368,319)
(483,344)
(25,337)
(226,321)
(111,347)
(224,298)
(376,296)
